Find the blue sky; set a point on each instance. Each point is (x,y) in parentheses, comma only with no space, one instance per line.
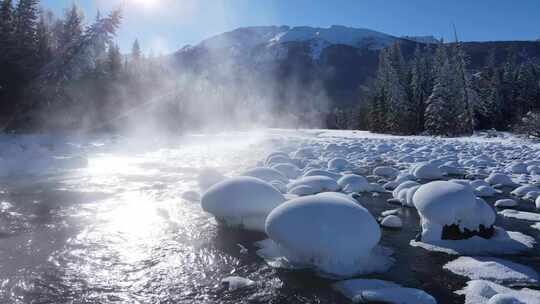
(167,25)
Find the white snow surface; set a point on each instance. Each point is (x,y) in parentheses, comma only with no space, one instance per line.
(521,215)
(493,269)
(365,290)
(485,292)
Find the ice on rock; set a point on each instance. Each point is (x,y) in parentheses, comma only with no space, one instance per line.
(426,171)
(234,283)
(392,221)
(495,270)
(366,291)
(288,170)
(320,172)
(443,204)
(266,174)
(354,183)
(388,172)
(317,183)
(242,202)
(505,203)
(340,239)
(500,179)
(485,292)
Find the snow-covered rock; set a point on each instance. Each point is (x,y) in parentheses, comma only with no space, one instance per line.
(242,202)
(392,221)
(523,190)
(266,174)
(495,270)
(505,203)
(317,183)
(338,164)
(354,183)
(426,171)
(288,170)
(521,215)
(388,172)
(320,172)
(485,292)
(400,192)
(500,179)
(537,203)
(366,291)
(517,168)
(339,239)
(234,283)
(485,191)
(444,203)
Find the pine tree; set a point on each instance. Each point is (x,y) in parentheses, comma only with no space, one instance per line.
(528,92)
(25,25)
(439,115)
(421,86)
(44,52)
(465,116)
(136,52)
(114,61)
(72,27)
(6,28)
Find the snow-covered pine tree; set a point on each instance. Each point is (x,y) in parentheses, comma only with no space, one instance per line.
(43,36)
(493,103)
(464,107)
(114,61)
(26,18)
(439,113)
(72,28)
(528,90)
(421,85)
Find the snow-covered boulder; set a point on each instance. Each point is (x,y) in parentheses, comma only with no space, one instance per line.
(339,239)
(354,183)
(485,191)
(517,168)
(499,179)
(505,203)
(277,158)
(320,172)
(302,190)
(426,171)
(409,202)
(447,208)
(392,221)
(523,190)
(266,174)
(242,202)
(388,172)
(235,283)
(338,164)
(537,202)
(400,192)
(485,292)
(531,195)
(367,291)
(288,170)
(317,183)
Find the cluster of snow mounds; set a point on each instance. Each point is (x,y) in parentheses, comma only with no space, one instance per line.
(340,239)
(242,202)
(485,292)
(443,205)
(367,291)
(426,171)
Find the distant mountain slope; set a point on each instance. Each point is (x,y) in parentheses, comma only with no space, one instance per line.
(337,59)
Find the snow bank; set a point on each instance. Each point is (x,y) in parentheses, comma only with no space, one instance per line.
(339,239)
(444,203)
(242,202)
(485,292)
(494,270)
(364,290)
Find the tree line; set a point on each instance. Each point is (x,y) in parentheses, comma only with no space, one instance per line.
(435,93)
(68,73)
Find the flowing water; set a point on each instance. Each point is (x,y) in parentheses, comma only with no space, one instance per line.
(119,231)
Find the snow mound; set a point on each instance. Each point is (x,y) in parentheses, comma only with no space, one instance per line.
(426,171)
(400,192)
(338,164)
(485,191)
(392,221)
(364,290)
(234,283)
(386,172)
(320,172)
(266,174)
(288,170)
(493,269)
(485,292)
(442,204)
(354,183)
(500,179)
(339,239)
(317,183)
(242,202)
(505,203)
(521,215)
(523,190)
(502,242)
